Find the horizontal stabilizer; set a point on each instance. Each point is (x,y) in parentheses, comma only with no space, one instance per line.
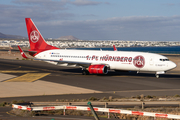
(22,52)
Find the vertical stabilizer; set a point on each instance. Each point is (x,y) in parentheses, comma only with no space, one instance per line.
(36,40)
(115,49)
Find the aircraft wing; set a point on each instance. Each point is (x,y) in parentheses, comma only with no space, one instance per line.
(69,63)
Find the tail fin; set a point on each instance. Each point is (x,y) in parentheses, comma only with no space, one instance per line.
(115,49)
(37,42)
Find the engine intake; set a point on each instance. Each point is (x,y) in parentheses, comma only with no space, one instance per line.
(98,69)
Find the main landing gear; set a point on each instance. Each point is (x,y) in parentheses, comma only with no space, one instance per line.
(85,72)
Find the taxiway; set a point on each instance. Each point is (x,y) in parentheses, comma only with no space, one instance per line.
(40,81)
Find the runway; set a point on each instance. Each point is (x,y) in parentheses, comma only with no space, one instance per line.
(20,81)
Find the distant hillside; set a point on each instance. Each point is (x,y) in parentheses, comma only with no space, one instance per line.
(70,37)
(11,36)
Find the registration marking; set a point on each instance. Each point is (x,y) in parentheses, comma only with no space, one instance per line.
(29,77)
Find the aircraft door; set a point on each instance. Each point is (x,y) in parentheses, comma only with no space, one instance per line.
(151,61)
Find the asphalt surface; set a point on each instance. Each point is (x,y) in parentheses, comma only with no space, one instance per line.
(115,84)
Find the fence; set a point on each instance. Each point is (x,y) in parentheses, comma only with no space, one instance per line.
(138,103)
(108,110)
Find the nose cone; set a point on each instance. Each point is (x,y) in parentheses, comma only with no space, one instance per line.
(172,65)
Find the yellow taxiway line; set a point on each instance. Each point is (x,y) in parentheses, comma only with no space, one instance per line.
(29,77)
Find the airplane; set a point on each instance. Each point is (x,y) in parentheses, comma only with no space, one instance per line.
(94,61)
(114,47)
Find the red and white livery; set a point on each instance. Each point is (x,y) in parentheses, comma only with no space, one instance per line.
(93,61)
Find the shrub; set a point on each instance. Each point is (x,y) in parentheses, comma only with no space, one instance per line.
(93,98)
(21,101)
(59,112)
(14,102)
(138,97)
(176,95)
(148,96)
(3,103)
(104,98)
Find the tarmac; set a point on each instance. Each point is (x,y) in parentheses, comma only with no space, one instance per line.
(34,80)
(39,87)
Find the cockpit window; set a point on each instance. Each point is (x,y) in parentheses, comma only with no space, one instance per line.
(164,59)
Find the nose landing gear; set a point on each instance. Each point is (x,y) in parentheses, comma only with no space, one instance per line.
(159,72)
(157,75)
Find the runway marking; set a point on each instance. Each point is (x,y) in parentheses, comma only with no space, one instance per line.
(16,71)
(29,77)
(143,90)
(10,114)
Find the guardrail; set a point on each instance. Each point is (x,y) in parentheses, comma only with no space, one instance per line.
(140,103)
(108,110)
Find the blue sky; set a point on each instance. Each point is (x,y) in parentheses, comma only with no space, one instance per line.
(143,20)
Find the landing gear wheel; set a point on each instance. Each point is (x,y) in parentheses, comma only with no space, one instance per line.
(157,75)
(85,72)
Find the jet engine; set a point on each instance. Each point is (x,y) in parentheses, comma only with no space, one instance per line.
(98,69)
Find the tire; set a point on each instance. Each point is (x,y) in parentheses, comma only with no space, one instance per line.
(157,75)
(85,72)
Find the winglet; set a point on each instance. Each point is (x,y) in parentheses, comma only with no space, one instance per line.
(22,52)
(114,48)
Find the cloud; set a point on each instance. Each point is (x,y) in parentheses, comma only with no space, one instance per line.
(46,4)
(85,2)
(89,15)
(143,28)
(34,9)
(56,5)
(169,4)
(14,14)
(53,20)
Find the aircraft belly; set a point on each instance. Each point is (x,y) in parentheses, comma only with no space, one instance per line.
(122,66)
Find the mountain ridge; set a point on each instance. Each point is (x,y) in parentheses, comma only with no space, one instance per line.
(2,35)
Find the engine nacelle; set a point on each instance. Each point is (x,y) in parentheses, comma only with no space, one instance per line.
(98,69)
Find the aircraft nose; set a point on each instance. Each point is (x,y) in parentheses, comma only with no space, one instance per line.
(172,65)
